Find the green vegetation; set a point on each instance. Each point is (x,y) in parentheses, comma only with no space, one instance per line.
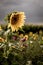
(16,50)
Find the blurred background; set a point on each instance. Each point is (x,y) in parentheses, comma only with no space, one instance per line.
(33,9)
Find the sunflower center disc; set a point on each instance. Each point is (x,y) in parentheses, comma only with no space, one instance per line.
(15,19)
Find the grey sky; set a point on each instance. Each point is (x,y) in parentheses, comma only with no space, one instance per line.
(33,9)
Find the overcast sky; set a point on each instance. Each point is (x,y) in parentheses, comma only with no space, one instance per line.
(33,9)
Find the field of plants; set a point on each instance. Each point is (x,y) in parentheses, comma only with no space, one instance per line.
(18,48)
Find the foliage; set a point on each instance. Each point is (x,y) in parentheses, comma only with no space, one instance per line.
(16,50)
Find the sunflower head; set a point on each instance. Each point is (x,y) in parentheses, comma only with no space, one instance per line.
(16,20)
(0,28)
(1,39)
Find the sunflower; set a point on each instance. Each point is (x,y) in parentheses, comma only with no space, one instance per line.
(16,21)
(1,39)
(0,28)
